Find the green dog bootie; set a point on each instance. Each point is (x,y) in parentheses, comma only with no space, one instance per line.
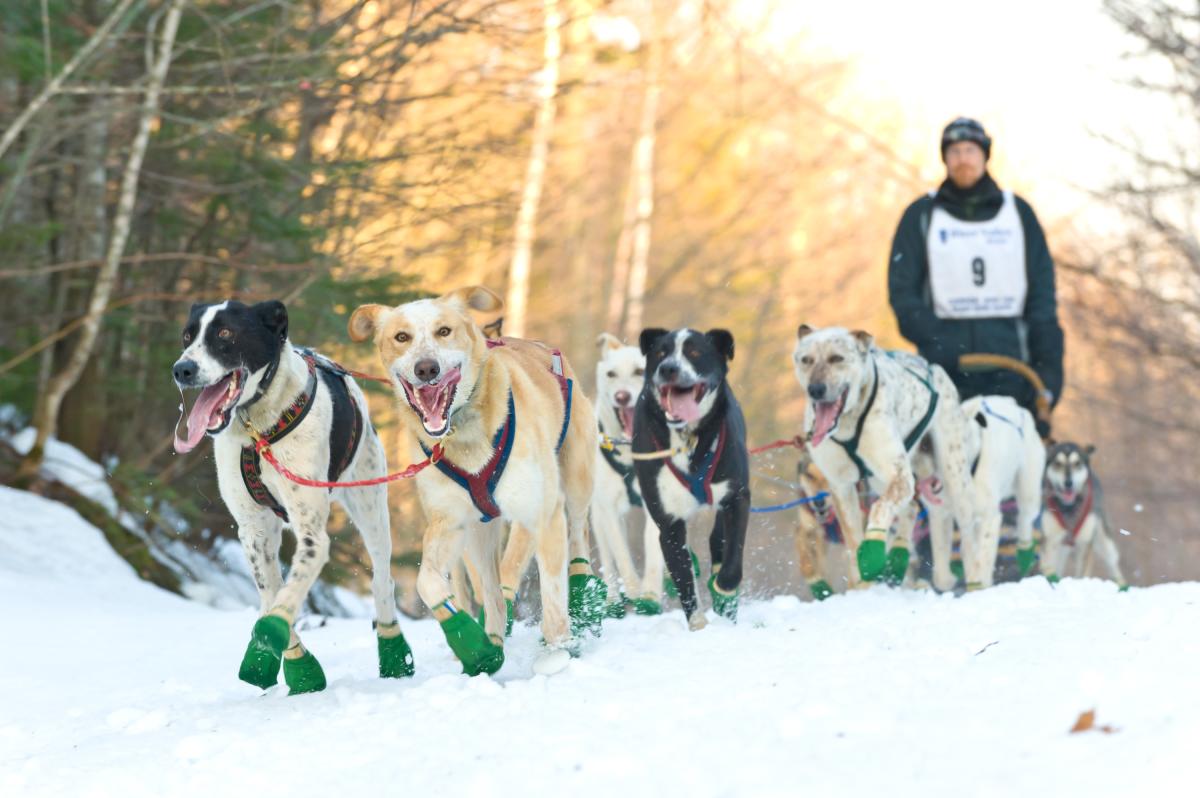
(956,568)
(647,606)
(1052,578)
(820,590)
(669,583)
(508,624)
(587,596)
(897,566)
(303,674)
(395,655)
(1123,589)
(471,645)
(872,558)
(724,604)
(1025,560)
(260,663)
(615,609)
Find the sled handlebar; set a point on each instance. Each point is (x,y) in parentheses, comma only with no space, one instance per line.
(975,362)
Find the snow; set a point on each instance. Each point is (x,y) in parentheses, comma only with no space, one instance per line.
(112,687)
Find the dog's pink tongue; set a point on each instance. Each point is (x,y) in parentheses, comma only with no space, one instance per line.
(434,398)
(200,416)
(825,415)
(683,404)
(626,414)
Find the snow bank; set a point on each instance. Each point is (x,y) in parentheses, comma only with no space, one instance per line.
(883,692)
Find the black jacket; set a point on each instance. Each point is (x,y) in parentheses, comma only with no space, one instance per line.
(941,341)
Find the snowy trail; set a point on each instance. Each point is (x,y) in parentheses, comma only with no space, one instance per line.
(111,687)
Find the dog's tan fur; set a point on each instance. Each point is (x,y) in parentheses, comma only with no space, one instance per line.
(544,495)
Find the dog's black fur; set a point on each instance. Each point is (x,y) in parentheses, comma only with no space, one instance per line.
(708,355)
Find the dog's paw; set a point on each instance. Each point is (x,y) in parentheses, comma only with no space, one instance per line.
(897,566)
(260,663)
(697,621)
(303,674)
(1026,559)
(395,656)
(586,599)
(551,661)
(820,590)
(724,604)
(477,653)
(872,558)
(647,605)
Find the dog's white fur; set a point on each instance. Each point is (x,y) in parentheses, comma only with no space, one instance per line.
(306,452)
(1062,559)
(544,494)
(1010,462)
(844,360)
(620,370)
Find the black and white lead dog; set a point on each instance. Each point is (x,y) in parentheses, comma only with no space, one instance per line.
(254,383)
(687,406)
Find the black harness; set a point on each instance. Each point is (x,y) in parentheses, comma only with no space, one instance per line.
(345,432)
(625,472)
(913,438)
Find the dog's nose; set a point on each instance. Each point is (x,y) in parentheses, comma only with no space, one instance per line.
(817,390)
(668,370)
(185,371)
(622,398)
(427,369)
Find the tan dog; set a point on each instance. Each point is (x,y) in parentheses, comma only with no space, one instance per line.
(511,440)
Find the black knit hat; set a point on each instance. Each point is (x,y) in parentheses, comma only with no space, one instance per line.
(964,129)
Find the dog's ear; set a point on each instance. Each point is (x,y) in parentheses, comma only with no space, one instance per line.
(981,420)
(607,341)
(1089,450)
(493,329)
(803,330)
(475,297)
(364,321)
(723,341)
(649,337)
(864,339)
(273,314)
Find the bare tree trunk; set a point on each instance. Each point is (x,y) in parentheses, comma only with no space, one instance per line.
(51,88)
(643,175)
(620,276)
(46,413)
(517,299)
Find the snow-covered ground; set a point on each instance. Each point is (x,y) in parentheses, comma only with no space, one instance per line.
(111,687)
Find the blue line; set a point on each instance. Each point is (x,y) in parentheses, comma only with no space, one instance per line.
(774,508)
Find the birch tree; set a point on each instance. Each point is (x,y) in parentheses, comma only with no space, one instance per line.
(517,299)
(50,400)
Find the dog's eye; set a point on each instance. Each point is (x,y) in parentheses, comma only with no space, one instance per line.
(807,360)
(443,332)
(639,372)
(836,358)
(612,375)
(187,337)
(225,334)
(403,337)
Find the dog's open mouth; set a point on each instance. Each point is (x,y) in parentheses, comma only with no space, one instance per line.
(1069,495)
(825,417)
(625,416)
(682,403)
(432,400)
(212,410)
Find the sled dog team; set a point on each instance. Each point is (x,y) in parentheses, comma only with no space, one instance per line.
(510,468)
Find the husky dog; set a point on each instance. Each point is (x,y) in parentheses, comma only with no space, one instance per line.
(508,437)
(867,412)
(255,384)
(620,372)
(687,407)
(1073,520)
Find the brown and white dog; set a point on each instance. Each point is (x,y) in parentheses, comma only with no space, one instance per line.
(867,412)
(620,374)
(512,440)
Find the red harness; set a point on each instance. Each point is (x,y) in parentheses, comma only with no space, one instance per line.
(1071,517)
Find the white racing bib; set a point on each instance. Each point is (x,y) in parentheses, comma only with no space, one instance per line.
(977,269)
